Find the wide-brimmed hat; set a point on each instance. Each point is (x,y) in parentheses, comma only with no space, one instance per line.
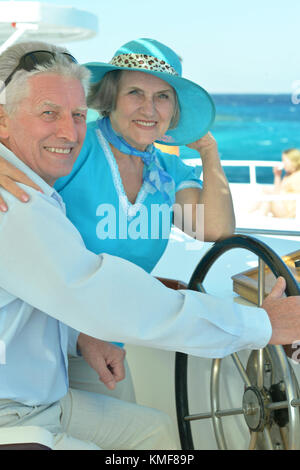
(197,110)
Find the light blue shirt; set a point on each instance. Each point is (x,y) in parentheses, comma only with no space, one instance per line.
(107,221)
(48,279)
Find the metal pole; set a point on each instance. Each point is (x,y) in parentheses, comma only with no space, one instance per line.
(21,28)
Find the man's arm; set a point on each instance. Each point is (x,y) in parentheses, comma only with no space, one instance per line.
(45,263)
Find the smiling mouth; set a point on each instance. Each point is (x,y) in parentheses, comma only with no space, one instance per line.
(60,151)
(148,124)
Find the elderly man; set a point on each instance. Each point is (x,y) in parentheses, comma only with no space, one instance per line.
(42,128)
(48,279)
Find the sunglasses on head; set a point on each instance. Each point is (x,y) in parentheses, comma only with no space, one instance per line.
(30,60)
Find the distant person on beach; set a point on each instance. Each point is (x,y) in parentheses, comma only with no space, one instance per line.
(121,175)
(283,185)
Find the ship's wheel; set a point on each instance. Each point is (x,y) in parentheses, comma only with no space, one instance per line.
(269,393)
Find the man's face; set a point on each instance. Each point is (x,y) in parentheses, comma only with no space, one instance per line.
(48,129)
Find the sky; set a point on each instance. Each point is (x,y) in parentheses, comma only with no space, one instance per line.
(227,46)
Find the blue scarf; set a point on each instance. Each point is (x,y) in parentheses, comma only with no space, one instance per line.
(155,178)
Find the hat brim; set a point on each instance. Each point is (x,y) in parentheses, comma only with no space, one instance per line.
(197,109)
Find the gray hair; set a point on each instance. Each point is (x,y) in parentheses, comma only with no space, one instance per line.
(18,88)
(103,96)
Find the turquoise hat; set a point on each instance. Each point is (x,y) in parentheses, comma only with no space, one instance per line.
(197,110)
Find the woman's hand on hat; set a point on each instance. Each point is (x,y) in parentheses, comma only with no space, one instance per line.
(205,146)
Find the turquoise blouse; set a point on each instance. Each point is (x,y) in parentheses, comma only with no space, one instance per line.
(97,204)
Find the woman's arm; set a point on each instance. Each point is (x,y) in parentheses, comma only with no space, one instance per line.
(214,198)
(9,176)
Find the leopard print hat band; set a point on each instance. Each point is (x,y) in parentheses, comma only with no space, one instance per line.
(143,61)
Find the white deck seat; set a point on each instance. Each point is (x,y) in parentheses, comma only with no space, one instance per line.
(25,438)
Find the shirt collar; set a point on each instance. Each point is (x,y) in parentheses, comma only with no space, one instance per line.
(12,158)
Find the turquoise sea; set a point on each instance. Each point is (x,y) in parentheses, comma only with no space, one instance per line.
(254,127)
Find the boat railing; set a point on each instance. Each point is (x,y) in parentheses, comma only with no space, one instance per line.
(271,225)
(251,164)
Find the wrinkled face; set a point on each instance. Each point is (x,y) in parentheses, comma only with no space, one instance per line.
(144,108)
(48,129)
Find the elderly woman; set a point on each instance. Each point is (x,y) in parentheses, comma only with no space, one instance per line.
(122,189)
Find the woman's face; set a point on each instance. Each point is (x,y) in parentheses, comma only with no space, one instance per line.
(144,108)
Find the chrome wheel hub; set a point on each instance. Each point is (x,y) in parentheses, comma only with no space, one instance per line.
(254,409)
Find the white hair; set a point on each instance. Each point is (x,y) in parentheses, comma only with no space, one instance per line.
(18,88)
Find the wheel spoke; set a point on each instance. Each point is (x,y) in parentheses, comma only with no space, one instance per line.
(241,369)
(278,405)
(268,438)
(261,282)
(197,416)
(230,412)
(284,434)
(253,440)
(261,295)
(215,404)
(260,369)
(218,414)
